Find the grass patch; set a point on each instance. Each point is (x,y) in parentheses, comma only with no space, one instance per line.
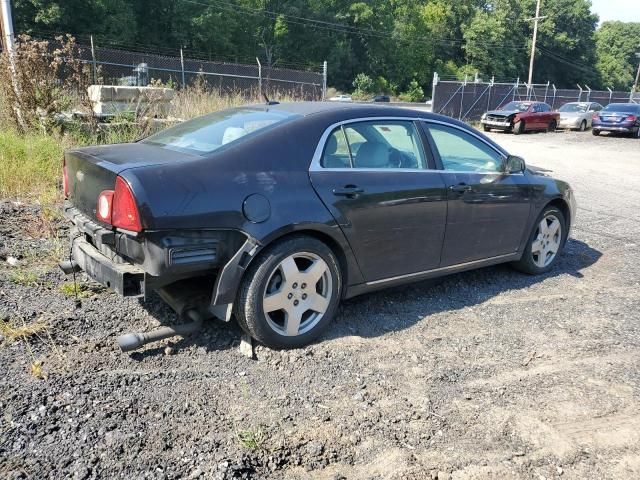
(30,166)
(251,439)
(24,277)
(69,290)
(10,330)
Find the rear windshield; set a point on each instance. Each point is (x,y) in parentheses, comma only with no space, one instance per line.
(622,108)
(206,134)
(575,107)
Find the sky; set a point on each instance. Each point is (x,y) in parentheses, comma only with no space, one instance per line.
(624,10)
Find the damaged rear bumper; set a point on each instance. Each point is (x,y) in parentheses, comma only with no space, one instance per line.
(123,278)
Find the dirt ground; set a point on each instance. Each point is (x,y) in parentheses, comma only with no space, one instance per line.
(484,375)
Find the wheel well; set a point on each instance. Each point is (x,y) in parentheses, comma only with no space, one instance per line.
(328,241)
(561,205)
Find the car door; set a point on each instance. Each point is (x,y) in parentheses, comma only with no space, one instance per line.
(488,209)
(381,186)
(538,116)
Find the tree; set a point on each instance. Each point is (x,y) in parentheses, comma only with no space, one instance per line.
(616,45)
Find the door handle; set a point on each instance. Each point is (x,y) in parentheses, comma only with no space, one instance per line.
(350,191)
(461,188)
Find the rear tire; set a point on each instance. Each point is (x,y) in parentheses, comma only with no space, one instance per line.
(290,293)
(518,127)
(595,133)
(552,126)
(545,243)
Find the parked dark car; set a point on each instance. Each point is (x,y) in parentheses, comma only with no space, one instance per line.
(275,213)
(381,98)
(520,117)
(618,118)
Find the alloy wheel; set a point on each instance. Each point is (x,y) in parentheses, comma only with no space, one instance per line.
(547,241)
(297,294)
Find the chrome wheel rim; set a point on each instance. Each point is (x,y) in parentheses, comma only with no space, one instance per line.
(546,243)
(297,294)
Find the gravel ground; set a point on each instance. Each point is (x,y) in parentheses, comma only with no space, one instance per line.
(487,374)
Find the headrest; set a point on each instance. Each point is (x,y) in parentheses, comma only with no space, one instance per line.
(372,155)
(331,146)
(232,133)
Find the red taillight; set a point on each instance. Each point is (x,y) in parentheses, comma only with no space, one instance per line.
(105,206)
(124,212)
(65,179)
(632,118)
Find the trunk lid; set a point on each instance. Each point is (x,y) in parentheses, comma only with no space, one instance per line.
(91,170)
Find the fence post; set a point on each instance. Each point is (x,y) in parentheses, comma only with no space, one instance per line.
(436,78)
(93,58)
(546,92)
(610,94)
(259,77)
(580,94)
(324,80)
(462,97)
(554,96)
(515,89)
(489,96)
(588,93)
(182,68)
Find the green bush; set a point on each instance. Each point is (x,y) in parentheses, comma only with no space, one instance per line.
(413,94)
(364,86)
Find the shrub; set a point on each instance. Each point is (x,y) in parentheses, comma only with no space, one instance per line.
(46,80)
(364,86)
(413,94)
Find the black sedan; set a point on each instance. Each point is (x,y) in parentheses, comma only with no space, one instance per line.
(274,213)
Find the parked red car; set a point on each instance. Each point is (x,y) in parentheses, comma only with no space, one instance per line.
(520,117)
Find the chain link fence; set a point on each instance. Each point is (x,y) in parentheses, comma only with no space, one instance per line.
(468,100)
(115,66)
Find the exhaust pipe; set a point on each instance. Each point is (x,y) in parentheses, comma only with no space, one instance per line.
(69,267)
(133,341)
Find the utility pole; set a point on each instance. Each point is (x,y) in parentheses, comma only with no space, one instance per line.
(7,25)
(9,45)
(535,19)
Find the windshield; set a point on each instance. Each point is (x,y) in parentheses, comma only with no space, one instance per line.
(574,107)
(622,108)
(517,106)
(206,134)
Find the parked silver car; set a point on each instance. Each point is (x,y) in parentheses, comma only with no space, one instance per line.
(578,115)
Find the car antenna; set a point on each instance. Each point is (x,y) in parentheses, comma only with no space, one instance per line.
(269,102)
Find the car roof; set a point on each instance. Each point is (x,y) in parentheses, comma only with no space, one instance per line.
(349,109)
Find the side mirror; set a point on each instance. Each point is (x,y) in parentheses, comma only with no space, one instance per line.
(514,164)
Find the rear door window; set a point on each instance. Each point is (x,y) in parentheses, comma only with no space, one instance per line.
(393,144)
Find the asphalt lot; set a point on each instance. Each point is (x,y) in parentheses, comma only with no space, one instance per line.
(486,374)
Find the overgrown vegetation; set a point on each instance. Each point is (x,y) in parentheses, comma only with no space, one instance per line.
(400,40)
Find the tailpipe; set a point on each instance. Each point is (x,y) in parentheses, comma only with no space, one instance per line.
(69,267)
(133,341)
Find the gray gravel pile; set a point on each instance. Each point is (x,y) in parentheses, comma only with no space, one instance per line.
(487,374)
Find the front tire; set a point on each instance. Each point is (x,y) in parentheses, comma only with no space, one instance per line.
(595,133)
(583,126)
(552,126)
(486,128)
(290,293)
(545,243)
(518,127)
